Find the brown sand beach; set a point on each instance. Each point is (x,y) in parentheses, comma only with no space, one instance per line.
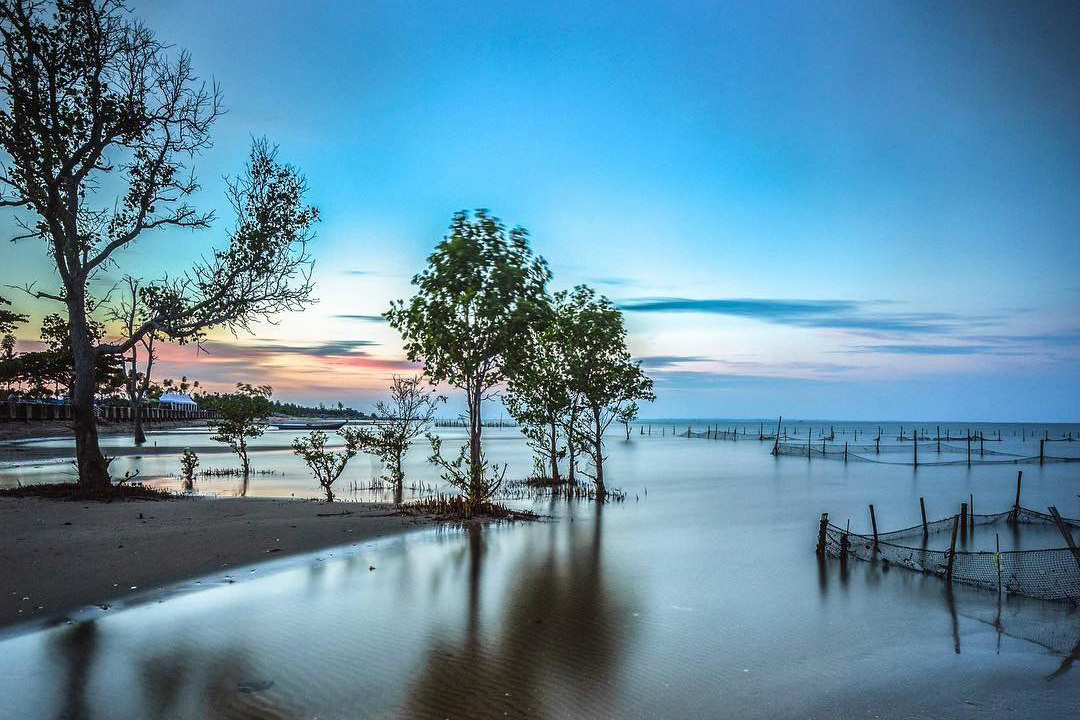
(58,556)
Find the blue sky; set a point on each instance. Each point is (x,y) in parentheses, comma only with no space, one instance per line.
(850,210)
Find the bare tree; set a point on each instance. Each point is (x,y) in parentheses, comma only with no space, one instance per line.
(93,101)
(130,315)
(410,411)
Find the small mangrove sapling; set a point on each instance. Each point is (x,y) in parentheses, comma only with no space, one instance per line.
(459,472)
(410,411)
(242,415)
(327,465)
(189,460)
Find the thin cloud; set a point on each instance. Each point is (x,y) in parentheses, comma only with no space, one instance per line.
(365,318)
(331,348)
(611,280)
(826,314)
(913,349)
(661,361)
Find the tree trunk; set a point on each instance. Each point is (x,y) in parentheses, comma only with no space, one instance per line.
(476,470)
(554,454)
(598,457)
(571,454)
(93,469)
(399,480)
(136,417)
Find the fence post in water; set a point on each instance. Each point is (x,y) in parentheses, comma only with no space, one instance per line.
(1016,505)
(963,516)
(873,523)
(877,444)
(915,445)
(1065,533)
(922,509)
(808,452)
(969,450)
(776,443)
(952,551)
(823,527)
(845,451)
(982,447)
(1042,443)
(971,510)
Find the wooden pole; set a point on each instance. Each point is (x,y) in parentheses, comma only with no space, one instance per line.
(969,450)
(1016,504)
(971,510)
(873,523)
(1065,533)
(952,551)
(963,515)
(776,443)
(823,527)
(922,509)
(915,445)
(845,451)
(1042,443)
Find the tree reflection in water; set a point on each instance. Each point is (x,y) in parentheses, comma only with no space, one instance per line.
(556,646)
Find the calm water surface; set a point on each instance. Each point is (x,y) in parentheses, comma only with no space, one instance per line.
(699,597)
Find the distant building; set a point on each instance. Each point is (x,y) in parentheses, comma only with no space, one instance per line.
(172,400)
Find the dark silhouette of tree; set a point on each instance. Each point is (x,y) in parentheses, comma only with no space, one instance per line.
(482,291)
(131,315)
(241,415)
(93,101)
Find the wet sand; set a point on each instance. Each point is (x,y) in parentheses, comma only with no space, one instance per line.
(59,556)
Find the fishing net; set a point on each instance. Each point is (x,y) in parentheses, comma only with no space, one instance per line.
(1047,574)
(929,453)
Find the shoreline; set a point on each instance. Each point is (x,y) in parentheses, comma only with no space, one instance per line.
(62,556)
(15,431)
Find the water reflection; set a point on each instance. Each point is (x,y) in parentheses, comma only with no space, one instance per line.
(75,649)
(563,624)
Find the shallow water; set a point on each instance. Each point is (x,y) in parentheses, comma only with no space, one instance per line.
(698,597)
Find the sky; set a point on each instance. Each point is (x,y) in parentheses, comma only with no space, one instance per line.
(822,210)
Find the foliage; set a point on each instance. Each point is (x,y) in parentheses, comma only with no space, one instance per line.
(627,414)
(48,372)
(482,291)
(600,370)
(9,320)
(538,394)
(97,122)
(477,487)
(410,411)
(189,460)
(241,415)
(327,465)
